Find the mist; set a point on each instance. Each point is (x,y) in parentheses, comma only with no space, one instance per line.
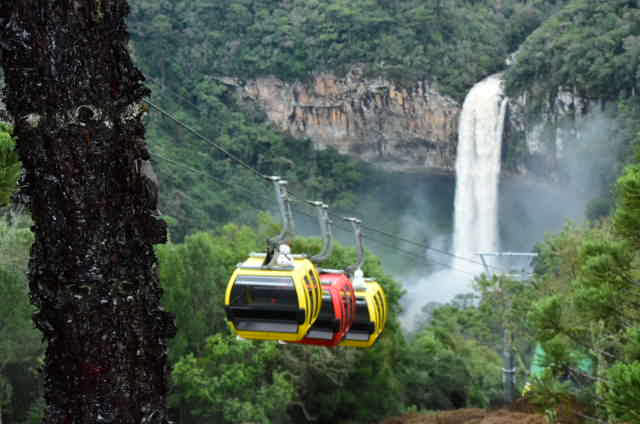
(528,208)
(420,208)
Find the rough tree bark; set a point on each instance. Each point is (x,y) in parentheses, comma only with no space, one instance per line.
(75,97)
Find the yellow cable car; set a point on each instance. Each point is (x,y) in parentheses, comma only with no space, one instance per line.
(371,315)
(277,302)
(371,303)
(277,295)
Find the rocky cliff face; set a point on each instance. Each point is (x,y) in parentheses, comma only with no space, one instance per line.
(546,139)
(397,128)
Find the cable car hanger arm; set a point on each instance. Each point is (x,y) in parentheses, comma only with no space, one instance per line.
(355,223)
(325,228)
(287,233)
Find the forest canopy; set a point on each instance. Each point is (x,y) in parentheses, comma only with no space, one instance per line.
(216,211)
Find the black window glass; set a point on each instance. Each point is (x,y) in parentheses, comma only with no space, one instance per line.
(326,312)
(262,290)
(362,326)
(362,312)
(325,325)
(267,304)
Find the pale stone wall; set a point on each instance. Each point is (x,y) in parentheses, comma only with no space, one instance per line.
(412,128)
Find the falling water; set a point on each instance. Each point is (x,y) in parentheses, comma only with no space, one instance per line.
(476,198)
(478,171)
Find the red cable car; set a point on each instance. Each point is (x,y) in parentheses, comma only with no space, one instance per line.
(338,296)
(337,312)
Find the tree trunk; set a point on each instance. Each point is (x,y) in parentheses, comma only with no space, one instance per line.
(75,97)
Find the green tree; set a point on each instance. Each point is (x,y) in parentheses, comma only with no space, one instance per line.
(10,166)
(587,48)
(627,216)
(194,275)
(622,396)
(327,383)
(454,358)
(235,381)
(587,308)
(92,280)
(20,340)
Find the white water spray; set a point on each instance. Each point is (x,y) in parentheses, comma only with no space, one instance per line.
(478,171)
(476,197)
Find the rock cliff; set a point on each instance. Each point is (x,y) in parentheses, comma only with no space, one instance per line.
(403,128)
(547,139)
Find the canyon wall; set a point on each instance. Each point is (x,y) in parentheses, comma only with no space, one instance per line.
(413,128)
(548,139)
(399,128)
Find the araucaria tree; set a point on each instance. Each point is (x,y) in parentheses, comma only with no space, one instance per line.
(75,97)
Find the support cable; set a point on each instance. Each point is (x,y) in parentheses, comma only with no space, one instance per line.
(202,137)
(264,177)
(252,196)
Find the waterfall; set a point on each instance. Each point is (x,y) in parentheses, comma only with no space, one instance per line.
(478,171)
(476,198)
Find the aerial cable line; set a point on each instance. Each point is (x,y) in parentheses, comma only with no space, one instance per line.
(231,156)
(202,137)
(250,193)
(174,93)
(264,177)
(414,255)
(444,252)
(252,196)
(310,216)
(251,199)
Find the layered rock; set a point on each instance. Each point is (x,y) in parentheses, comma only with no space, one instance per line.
(403,128)
(545,138)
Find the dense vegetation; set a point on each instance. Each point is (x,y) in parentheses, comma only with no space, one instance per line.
(454,42)
(591,48)
(183,46)
(584,294)
(588,50)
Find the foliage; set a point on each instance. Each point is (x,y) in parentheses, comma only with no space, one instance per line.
(584,294)
(10,166)
(235,381)
(21,345)
(194,276)
(583,297)
(454,42)
(452,361)
(203,189)
(590,295)
(328,383)
(589,47)
(627,216)
(622,395)
(186,46)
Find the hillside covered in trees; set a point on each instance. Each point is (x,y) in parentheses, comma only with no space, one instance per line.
(583,299)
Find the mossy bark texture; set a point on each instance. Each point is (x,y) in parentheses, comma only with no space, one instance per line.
(75,97)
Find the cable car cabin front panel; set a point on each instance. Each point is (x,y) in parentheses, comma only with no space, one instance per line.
(336,315)
(276,303)
(370,318)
